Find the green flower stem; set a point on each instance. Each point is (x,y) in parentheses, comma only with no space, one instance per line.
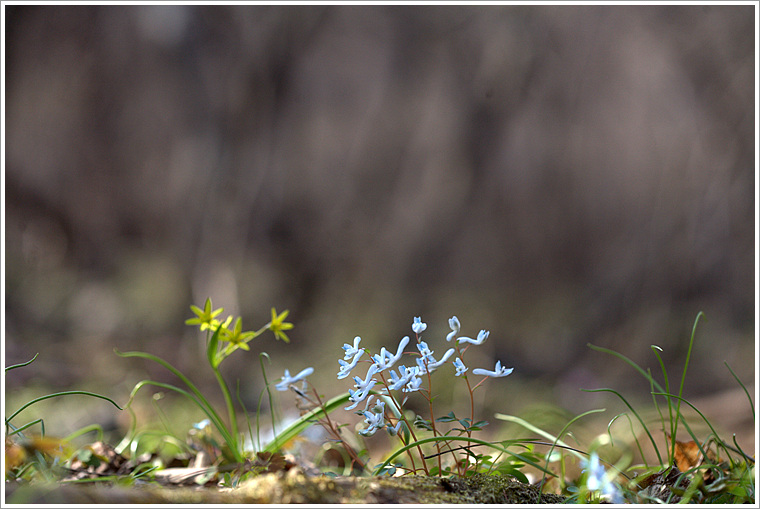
(230,406)
(429,398)
(214,360)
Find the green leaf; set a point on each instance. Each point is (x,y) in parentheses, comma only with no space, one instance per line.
(448,418)
(212,349)
(514,472)
(421,423)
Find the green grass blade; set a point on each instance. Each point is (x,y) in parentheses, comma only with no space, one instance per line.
(741,452)
(683,378)
(633,433)
(651,438)
(304,422)
(555,439)
(263,355)
(208,410)
(57,394)
(86,429)
(245,410)
(199,399)
(171,368)
(628,361)
(715,433)
(751,404)
(673,422)
(656,349)
(447,438)
(231,414)
(15,430)
(22,364)
(545,434)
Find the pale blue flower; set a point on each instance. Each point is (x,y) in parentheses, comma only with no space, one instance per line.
(359,395)
(363,387)
(375,420)
(413,385)
(599,480)
(356,397)
(425,351)
(418,326)
(394,378)
(497,372)
(397,382)
(346,367)
(454,324)
(437,364)
(461,368)
(595,472)
(393,430)
(426,362)
(366,384)
(385,359)
(287,380)
(351,351)
(482,336)
(205,423)
(381,359)
(367,402)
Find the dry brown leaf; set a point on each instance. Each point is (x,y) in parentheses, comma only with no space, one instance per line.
(687,455)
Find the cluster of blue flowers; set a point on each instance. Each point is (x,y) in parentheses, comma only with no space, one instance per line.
(407,379)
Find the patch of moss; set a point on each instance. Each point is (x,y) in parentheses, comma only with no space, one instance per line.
(295,487)
(494,489)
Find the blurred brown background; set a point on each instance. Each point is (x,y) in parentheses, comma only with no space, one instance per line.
(558,175)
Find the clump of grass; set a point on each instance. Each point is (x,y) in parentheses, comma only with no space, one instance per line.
(704,470)
(222,340)
(31,456)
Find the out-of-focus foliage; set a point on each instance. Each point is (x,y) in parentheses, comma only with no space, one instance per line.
(564,174)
